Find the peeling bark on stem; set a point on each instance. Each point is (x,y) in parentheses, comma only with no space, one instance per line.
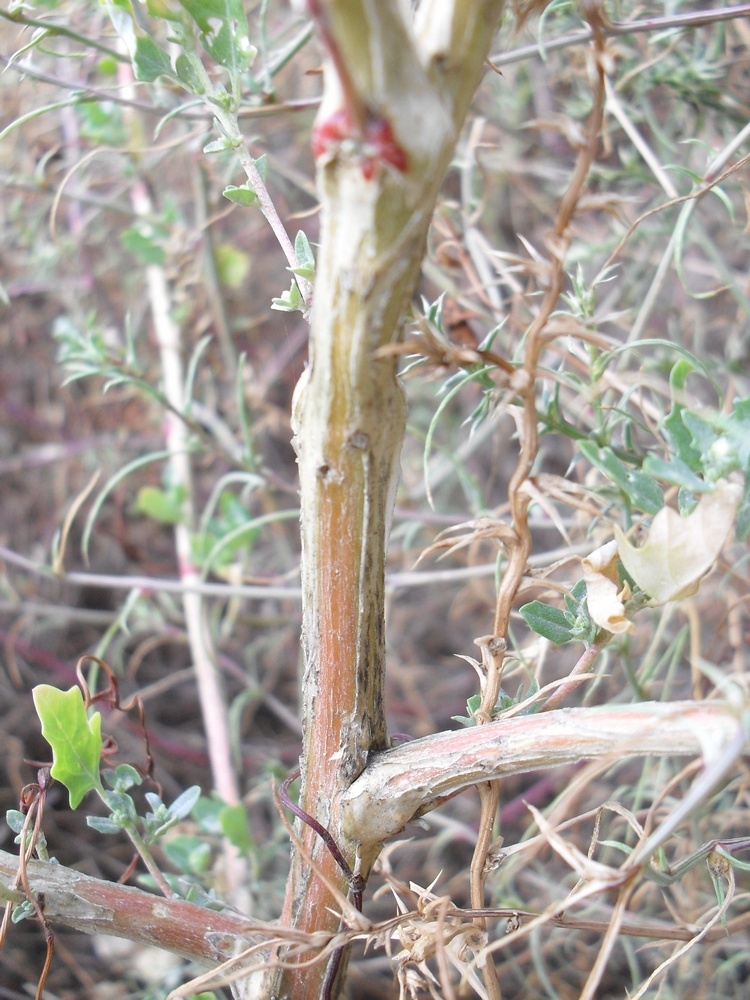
(408,781)
(93,906)
(402,96)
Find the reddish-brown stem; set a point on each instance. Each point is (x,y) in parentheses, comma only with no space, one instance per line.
(356,883)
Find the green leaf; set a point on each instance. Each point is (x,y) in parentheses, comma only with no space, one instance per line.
(702,433)
(554,419)
(679,435)
(144,246)
(232,265)
(74,737)
(206,812)
(22,911)
(675,471)
(233,511)
(191,855)
(290,301)
(575,601)
(551,623)
(189,75)
(103,824)
(303,272)
(679,375)
(149,61)
(245,193)
(234,826)
(240,195)
(224,32)
(183,804)
(640,489)
(107,66)
(219,145)
(163,506)
(122,809)
(303,252)
(472,706)
(102,124)
(122,778)
(15,820)
(582,625)
(168,9)
(261,165)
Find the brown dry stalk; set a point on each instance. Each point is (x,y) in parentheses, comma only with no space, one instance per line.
(536,341)
(519,497)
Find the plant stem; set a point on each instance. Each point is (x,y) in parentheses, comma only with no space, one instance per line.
(148,860)
(230,127)
(349,413)
(98,907)
(210,691)
(412,779)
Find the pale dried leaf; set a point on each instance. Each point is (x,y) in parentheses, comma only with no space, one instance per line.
(680,550)
(603,592)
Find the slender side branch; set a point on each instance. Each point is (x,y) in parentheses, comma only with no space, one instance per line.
(177,440)
(230,126)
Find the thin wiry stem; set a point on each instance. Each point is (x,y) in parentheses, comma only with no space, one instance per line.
(230,127)
(535,341)
(611,29)
(519,497)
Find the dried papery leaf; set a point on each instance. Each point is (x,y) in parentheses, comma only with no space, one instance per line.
(680,550)
(604,596)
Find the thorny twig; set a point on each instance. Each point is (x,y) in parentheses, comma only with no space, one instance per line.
(519,547)
(610,29)
(493,650)
(535,341)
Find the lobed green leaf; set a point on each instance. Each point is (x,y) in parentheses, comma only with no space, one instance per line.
(74,737)
(224,33)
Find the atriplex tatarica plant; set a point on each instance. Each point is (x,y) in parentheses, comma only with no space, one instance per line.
(530,224)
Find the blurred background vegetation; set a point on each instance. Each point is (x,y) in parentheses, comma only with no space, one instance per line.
(648,325)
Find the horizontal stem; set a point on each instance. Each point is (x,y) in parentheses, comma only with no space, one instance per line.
(97,907)
(408,781)
(262,591)
(692,19)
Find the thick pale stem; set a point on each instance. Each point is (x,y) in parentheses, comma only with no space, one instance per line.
(414,778)
(349,423)
(409,94)
(72,899)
